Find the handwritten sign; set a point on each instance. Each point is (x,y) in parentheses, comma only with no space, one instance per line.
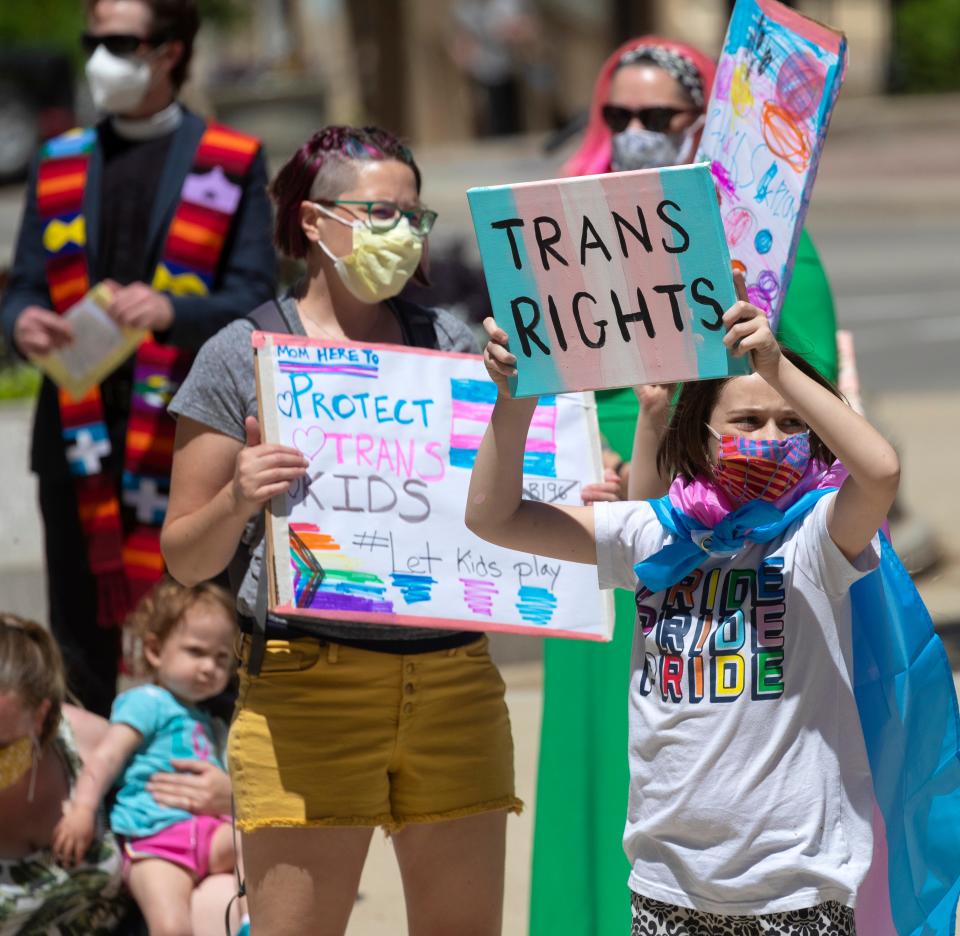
(375,532)
(777,81)
(608,281)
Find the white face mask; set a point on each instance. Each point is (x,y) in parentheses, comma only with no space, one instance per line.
(646,149)
(118,85)
(380,265)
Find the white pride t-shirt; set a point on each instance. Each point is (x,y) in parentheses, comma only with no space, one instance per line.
(750,789)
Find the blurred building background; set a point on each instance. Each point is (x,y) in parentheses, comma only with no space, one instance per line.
(451,70)
(442,70)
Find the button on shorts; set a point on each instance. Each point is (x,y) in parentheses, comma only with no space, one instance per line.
(329,735)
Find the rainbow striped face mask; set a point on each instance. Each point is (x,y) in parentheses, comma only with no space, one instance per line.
(760,469)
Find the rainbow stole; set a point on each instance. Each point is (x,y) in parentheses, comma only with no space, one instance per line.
(126,567)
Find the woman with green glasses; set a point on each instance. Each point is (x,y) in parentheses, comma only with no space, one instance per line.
(346,727)
(384,216)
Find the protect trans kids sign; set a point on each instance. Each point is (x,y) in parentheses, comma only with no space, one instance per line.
(375,531)
(609,280)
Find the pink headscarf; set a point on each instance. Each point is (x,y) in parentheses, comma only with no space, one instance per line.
(593,156)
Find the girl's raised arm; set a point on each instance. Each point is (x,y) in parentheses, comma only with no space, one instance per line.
(496,510)
(865,497)
(645,481)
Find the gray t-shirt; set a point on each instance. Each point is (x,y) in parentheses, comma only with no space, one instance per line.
(220,391)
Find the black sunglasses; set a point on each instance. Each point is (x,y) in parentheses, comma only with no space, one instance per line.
(657,119)
(118,43)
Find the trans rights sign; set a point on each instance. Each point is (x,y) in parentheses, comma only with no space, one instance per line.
(777,81)
(609,280)
(375,531)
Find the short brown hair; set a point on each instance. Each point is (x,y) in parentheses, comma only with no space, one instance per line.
(177,20)
(31,667)
(684,449)
(163,608)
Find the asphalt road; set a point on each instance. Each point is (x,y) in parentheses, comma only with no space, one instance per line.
(897,288)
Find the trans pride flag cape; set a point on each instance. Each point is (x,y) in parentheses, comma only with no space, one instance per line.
(906,701)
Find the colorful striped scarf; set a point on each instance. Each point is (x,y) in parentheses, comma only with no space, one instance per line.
(126,566)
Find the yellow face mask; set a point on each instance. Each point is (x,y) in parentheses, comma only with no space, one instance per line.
(380,264)
(15,760)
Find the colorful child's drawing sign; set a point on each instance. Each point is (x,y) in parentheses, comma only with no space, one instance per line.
(777,81)
(610,280)
(375,531)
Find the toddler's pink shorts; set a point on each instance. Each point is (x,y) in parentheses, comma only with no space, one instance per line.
(184,843)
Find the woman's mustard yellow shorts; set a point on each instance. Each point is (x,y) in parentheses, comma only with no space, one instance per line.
(329,735)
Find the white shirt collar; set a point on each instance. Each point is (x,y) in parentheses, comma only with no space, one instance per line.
(149,128)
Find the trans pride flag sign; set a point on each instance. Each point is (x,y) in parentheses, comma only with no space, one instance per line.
(610,280)
(777,80)
(375,532)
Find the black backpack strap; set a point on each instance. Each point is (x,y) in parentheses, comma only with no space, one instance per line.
(258,636)
(419,324)
(269,317)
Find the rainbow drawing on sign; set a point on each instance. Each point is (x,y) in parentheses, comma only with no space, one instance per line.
(777,81)
(536,604)
(472,404)
(479,594)
(337,583)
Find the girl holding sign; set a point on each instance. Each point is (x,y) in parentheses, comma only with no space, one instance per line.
(647,111)
(750,796)
(341,727)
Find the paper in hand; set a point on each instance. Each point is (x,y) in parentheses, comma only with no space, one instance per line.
(98,348)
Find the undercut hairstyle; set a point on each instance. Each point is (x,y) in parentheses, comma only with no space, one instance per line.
(172,20)
(31,667)
(163,607)
(684,449)
(323,168)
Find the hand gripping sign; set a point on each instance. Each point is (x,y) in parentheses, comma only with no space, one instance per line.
(610,280)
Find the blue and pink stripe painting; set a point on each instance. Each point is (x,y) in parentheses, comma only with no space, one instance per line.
(610,280)
(472,405)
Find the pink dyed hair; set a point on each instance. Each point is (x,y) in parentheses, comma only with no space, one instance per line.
(593,155)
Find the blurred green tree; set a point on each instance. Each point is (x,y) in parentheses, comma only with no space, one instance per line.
(58,23)
(55,23)
(926,46)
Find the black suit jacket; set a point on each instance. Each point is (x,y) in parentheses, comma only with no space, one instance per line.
(246,276)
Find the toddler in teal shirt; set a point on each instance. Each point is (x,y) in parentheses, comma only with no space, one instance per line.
(188,636)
